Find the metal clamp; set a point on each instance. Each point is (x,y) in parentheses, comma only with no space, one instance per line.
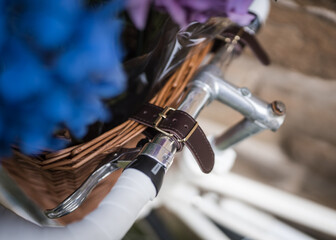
(163,115)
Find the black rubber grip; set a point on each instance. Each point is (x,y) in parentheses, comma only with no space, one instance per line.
(152,168)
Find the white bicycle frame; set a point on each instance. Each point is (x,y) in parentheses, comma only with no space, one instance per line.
(232,200)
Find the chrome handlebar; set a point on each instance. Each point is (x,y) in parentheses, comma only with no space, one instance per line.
(207,86)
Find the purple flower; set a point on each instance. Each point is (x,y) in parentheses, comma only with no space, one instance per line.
(138,11)
(186,11)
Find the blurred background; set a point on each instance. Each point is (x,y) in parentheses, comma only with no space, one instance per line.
(299,37)
(300,157)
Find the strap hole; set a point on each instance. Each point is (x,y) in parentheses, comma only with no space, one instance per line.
(145,112)
(186,126)
(174,120)
(155,115)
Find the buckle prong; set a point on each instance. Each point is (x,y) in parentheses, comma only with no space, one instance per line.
(163,115)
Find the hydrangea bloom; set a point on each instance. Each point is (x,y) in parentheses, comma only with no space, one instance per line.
(186,11)
(58,60)
(1,22)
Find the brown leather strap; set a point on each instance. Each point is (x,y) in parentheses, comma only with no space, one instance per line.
(182,126)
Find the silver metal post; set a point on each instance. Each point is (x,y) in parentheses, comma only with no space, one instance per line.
(196,98)
(259,115)
(236,133)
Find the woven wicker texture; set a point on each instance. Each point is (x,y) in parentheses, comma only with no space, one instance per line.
(48,179)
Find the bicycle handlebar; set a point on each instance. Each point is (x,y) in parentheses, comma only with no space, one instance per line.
(138,184)
(119,209)
(111,220)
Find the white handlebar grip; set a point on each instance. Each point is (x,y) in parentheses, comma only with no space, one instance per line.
(111,220)
(260,8)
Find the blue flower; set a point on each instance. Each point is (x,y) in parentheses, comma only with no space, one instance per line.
(58,60)
(2,23)
(49,23)
(22,76)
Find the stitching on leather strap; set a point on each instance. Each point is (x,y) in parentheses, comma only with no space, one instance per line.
(163,121)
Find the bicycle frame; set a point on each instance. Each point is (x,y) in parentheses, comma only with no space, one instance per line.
(136,189)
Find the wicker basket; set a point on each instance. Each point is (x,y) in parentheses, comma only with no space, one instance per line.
(49,178)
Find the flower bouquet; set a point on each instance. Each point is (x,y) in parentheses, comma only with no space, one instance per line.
(73,71)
